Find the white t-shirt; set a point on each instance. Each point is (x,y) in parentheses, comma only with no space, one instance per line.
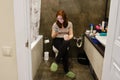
(62,31)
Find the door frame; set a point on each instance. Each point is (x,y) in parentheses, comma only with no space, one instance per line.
(22,34)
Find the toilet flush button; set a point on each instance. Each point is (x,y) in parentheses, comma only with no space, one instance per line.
(6,51)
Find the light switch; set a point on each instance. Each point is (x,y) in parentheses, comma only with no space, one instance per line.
(7,51)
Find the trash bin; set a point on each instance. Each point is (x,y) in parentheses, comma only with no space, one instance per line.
(82,58)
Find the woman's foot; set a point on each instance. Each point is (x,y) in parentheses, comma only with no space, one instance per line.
(70,74)
(53,67)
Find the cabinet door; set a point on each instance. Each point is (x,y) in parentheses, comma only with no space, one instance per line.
(94,57)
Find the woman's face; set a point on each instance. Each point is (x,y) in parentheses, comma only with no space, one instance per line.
(60,19)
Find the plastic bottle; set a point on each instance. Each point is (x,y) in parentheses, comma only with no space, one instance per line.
(103,24)
(91,28)
(46,56)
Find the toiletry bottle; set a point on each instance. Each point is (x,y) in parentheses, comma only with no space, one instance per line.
(103,24)
(46,56)
(91,28)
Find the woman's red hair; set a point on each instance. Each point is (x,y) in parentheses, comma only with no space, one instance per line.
(64,16)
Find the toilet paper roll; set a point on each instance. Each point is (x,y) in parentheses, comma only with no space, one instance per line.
(47,41)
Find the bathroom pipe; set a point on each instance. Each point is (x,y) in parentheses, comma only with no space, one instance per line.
(106,6)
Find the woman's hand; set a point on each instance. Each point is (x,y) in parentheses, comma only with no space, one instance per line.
(54,34)
(66,37)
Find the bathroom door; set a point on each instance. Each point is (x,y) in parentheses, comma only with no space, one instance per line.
(111,68)
(22,33)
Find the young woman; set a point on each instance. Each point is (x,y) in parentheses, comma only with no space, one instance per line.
(62,33)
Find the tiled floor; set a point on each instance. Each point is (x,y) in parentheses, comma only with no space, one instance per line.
(82,71)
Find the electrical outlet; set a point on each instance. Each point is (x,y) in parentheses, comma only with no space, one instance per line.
(7,51)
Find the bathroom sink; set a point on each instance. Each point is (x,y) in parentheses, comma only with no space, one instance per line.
(101,39)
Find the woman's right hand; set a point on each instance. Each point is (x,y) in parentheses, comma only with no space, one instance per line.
(54,34)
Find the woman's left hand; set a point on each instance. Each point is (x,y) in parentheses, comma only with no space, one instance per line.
(66,37)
